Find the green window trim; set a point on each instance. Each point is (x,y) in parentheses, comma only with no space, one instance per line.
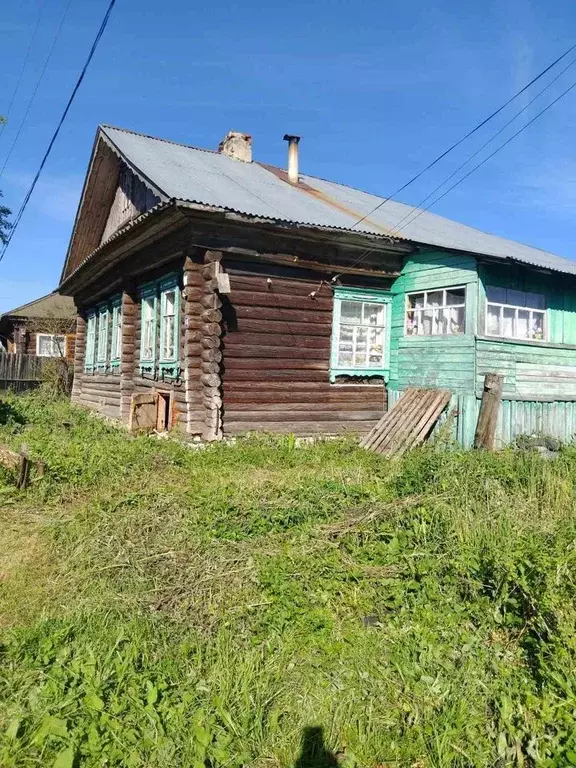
(168,363)
(102,333)
(148,297)
(361,295)
(90,351)
(116,334)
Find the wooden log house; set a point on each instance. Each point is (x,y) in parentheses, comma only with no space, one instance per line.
(218,295)
(44,327)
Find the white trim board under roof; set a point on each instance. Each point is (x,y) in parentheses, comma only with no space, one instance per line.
(208,178)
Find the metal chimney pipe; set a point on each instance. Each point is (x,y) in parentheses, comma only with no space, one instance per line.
(292,157)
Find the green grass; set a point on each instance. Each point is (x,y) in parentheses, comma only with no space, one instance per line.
(164,606)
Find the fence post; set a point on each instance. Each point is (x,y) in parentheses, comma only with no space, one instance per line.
(489,408)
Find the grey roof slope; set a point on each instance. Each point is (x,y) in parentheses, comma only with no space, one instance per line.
(207,177)
(53,305)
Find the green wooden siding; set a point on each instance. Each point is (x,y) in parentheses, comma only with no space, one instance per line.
(434,361)
(559,291)
(539,377)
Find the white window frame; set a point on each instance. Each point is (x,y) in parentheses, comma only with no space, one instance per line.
(51,336)
(116,335)
(516,308)
(90,352)
(361,296)
(102,332)
(434,310)
(148,295)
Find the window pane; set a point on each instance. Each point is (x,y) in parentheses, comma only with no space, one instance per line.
(534,300)
(376,348)
(425,327)
(59,346)
(361,346)
(373,314)
(497,295)
(345,346)
(523,324)
(508,318)
(411,328)
(537,325)
(493,327)
(169,301)
(416,301)
(44,346)
(457,296)
(351,312)
(435,299)
(517,298)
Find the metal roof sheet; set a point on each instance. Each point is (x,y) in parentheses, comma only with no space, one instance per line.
(210,178)
(51,306)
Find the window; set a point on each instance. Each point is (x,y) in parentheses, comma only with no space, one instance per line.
(359,344)
(116,337)
(49,345)
(148,332)
(436,313)
(515,314)
(169,309)
(90,342)
(102,346)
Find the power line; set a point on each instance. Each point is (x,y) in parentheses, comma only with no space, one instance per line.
(480,164)
(480,149)
(467,136)
(24,63)
(38,83)
(58,127)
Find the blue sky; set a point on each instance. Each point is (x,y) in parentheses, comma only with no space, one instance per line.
(375,89)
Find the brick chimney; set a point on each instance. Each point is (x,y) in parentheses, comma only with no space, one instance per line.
(237,145)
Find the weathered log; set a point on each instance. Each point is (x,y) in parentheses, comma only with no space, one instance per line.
(211,316)
(211,329)
(210,301)
(210,367)
(212,256)
(211,355)
(211,342)
(210,379)
(489,408)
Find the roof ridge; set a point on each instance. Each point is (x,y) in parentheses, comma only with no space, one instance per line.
(157,138)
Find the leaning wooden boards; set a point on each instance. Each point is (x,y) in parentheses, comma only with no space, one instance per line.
(408,423)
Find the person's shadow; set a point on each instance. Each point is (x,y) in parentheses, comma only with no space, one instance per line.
(313,753)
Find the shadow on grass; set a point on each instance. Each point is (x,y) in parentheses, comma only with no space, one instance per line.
(9,415)
(313,753)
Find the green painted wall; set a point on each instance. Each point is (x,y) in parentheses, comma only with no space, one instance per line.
(434,361)
(539,377)
(559,290)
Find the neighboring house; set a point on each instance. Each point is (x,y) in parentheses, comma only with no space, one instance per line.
(222,295)
(45,327)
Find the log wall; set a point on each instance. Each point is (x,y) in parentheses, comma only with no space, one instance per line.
(276,347)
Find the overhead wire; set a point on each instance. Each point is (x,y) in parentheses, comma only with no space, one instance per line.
(495,152)
(24,205)
(467,135)
(35,91)
(23,68)
(501,130)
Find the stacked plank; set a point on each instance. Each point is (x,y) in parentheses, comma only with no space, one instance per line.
(408,423)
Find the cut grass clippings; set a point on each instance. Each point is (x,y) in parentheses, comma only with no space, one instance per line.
(265,604)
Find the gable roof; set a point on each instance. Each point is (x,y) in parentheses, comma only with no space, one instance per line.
(207,178)
(51,306)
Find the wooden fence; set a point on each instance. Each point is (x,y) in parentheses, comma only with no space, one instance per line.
(22,372)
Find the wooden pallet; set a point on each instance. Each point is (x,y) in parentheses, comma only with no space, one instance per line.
(408,423)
